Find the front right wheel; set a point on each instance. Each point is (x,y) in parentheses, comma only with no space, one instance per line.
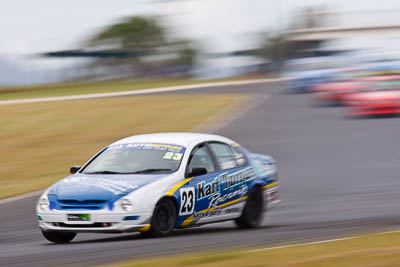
(252,213)
(58,237)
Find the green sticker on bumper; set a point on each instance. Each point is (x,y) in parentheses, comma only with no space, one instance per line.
(78,217)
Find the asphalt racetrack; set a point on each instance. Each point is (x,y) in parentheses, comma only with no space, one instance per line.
(339,177)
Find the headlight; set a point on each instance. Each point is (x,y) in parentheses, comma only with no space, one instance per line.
(126,205)
(43,204)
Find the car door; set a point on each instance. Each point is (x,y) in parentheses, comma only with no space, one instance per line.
(214,195)
(192,197)
(234,175)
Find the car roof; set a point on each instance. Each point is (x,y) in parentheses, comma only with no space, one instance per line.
(175,138)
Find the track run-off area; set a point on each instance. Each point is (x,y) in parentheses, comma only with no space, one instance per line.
(339,177)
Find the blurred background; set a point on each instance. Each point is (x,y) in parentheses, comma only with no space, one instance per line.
(339,171)
(306,42)
(56,41)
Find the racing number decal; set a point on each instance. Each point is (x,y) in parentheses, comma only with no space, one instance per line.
(173,156)
(187,201)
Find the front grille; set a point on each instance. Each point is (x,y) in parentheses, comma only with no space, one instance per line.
(84,202)
(74,204)
(79,207)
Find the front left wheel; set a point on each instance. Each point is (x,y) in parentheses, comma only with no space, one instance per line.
(163,219)
(58,237)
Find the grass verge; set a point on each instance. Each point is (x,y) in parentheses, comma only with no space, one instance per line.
(40,141)
(371,250)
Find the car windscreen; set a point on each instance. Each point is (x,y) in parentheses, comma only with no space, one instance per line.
(137,158)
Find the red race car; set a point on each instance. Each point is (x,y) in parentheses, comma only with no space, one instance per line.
(385,102)
(336,92)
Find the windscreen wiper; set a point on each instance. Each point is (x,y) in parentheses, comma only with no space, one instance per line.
(151,171)
(104,172)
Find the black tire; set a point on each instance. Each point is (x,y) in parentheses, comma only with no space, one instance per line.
(252,214)
(163,219)
(58,237)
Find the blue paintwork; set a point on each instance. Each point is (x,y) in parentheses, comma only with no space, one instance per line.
(131,218)
(94,191)
(257,166)
(304,84)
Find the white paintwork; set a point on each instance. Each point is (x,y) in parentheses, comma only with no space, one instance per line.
(182,138)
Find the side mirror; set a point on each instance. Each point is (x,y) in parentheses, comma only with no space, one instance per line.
(74,169)
(196,172)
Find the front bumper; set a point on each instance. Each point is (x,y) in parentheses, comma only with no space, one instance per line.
(272,196)
(98,223)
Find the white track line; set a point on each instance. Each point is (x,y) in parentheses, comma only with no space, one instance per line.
(322,241)
(388,232)
(302,244)
(136,92)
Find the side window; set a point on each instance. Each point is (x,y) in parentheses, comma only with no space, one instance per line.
(239,157)
(226,156)
(201,158)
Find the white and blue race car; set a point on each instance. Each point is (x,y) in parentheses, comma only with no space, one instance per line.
(154,183)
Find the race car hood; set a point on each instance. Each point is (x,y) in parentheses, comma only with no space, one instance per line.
(82,191)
